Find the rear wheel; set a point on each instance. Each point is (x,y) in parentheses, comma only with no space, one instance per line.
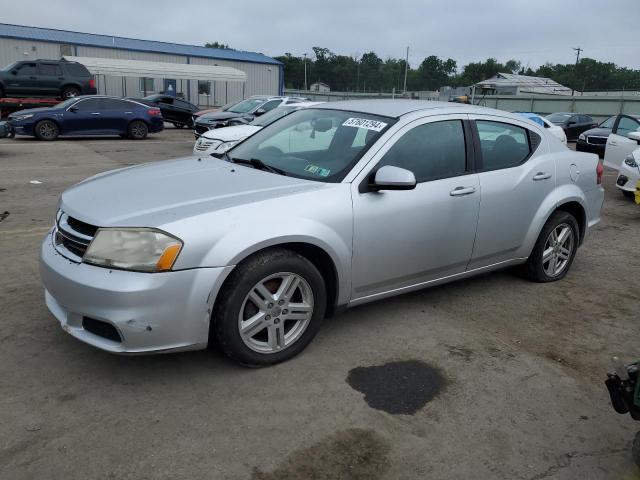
(70,92)
(46,130)
(138,130)
(628,194)
(555,249)
(179,125)
(270,308)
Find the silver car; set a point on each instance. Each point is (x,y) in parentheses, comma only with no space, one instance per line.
(327,208)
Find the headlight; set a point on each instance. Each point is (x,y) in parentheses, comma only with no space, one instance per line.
(23,117)
(582,137)
(631,161)
(138,249)
(224,146)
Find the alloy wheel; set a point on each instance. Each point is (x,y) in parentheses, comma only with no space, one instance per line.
(558,250)
(47,130)
(276,312)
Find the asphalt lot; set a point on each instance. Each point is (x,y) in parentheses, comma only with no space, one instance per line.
(506,376)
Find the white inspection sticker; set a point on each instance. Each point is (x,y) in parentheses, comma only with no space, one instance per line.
(374,125)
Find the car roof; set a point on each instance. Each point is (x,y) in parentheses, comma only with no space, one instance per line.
(400,107)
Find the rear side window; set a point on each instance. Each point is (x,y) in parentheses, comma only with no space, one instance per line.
(77,70)
(503,145)
(115,104)
(50,70)
(627,125)
(431,151)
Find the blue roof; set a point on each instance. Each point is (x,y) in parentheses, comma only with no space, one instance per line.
(122,43)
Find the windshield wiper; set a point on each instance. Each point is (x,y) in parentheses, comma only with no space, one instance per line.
(257,164)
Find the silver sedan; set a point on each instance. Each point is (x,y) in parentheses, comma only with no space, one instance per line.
(327,208)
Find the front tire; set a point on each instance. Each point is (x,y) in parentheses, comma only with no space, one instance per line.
(47,130)
(555,249)
(628,194)
(138,130)
(270,308)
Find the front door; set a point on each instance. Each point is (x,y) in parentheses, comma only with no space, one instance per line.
(515,178)
(618,144)
(405,238)
(85,117)
(24,81)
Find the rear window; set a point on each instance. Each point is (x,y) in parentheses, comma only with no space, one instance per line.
(77,70)
(503,145)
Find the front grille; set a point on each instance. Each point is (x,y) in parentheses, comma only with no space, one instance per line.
(203,145)
(101,329)
(72,235)
(596,140)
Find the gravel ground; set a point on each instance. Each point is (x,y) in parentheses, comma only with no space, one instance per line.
(503,379)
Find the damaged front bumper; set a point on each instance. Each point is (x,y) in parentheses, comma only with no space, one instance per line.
(130,312)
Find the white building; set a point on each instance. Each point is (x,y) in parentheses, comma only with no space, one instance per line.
(264,75)
(319,87)
(512,84)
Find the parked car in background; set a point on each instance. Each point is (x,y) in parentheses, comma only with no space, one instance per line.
(629,171)
(555,130)
(573,124)
(619,144)
(381,197)
(241,113)
(174,110)
(49,78)
(6,130)
(594,140)
(89,115)
(220,140)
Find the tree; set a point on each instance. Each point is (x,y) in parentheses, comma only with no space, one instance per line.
(218,45)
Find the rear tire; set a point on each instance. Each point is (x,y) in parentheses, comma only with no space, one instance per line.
(47,130)
(628,194)
(554,250)
(290,306)
(70,92)
(179,125)
(138,130)
(635,450)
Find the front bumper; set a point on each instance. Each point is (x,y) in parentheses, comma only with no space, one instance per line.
(582,146)
(628,177)
(23,127)
(151,312)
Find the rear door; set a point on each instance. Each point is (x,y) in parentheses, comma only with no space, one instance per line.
(115,115)
(51,78)
(515,177)
(618,144)
(405,238)
(169,111)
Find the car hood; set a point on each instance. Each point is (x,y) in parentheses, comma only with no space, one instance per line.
(28,111)
(600,132)
(227,134)
(207,117)
(156,194)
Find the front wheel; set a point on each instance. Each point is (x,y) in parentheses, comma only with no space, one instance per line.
(46,130)
(138,130)
(628,194)
(555,249)
(270,308)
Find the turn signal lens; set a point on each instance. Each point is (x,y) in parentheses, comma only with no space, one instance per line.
(168,257)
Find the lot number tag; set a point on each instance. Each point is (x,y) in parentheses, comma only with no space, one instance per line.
(374,125)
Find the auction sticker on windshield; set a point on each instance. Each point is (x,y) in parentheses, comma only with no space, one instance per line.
(374,125)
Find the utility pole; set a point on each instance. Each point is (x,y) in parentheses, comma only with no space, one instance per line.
(358,77)
(406,68)
(305,71)
(577,50)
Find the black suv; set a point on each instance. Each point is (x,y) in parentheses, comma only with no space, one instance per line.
(46,78)
(174,110)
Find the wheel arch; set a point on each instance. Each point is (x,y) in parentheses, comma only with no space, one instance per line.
(578,212)
(52,119)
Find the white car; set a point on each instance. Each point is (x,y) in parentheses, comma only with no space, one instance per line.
(554,130)
(219,140)
(629,171)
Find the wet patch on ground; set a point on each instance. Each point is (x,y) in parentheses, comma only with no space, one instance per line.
(397,387)
(355,453)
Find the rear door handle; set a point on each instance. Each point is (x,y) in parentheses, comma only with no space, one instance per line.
(95,113)
(459,191)
(613,142)
(541,176)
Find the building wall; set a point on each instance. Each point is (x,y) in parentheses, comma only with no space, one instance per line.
(262,79)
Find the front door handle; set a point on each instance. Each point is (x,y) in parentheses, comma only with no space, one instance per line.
(459,191)
(95,113)
(541,176)
(613,142)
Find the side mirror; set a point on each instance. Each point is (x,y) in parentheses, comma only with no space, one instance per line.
(74,109)
(260,111)
(393,178)
(634,136)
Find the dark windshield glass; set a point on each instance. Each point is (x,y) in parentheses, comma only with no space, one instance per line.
(272,116)
(608,123)
(246,105)
(315,144)
(558,117)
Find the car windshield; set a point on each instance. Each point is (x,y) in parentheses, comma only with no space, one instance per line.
(9,67)
(246,105)
(608,123)
(67,103)
(558,117)
(315,144)
(272,116)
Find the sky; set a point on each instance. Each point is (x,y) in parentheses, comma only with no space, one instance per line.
(532,31)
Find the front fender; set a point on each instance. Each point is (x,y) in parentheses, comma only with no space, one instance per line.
(562,194)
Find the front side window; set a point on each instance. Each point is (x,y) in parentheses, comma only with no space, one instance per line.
(267,107)
(627,125)
(431,151)
(503,145)
(608,123)
(28,69)
(246,105)
(315,144)
(272,116)
(89,105)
